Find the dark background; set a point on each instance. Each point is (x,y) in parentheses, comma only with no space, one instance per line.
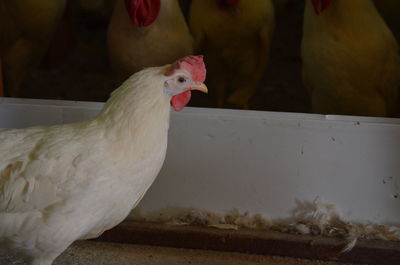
(76,66)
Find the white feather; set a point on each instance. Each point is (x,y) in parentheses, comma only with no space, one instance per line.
(65,182)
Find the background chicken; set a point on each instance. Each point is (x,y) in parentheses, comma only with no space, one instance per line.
(145,33)
(26,27)
(389,10)
(74,181)
(350,59)
(234,36)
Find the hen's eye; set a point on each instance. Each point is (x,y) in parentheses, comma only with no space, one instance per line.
(181,80)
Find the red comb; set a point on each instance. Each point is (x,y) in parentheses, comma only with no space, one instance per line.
(193,64)
(143,12)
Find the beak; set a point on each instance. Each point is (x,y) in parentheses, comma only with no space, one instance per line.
(199,86)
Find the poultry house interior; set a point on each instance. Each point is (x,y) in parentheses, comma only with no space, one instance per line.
(328,57)
(77,67)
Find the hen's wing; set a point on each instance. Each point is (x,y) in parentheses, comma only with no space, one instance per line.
(40,166)
(25,181)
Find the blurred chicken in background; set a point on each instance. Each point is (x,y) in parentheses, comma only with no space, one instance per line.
(235,37)
(390,10)
(26,28)
(145,33)
(82,20)
(350,59)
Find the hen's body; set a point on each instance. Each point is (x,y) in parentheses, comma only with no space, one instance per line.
(133,48)
(350,60)
(235,42)
(26,28)
(62,183)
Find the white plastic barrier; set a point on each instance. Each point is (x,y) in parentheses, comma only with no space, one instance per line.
(261,162)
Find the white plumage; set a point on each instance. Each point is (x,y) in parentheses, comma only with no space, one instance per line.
(74,181)
(350,59)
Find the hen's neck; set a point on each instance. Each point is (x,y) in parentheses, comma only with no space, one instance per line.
(138,109)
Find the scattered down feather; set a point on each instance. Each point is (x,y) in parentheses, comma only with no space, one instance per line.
(74,181)
(308,218)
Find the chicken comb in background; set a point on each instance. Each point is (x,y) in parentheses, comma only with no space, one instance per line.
(320,5)
(143,12)
(193,64)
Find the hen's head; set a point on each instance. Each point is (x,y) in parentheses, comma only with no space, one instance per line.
(143,12)
(320,5)
(183,76)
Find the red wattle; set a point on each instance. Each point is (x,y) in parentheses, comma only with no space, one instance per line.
(179,101)
(143,12)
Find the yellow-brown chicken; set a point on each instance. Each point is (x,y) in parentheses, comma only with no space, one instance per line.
(146,33)
(26,27)
(234,36)
(389,10)
(350,58)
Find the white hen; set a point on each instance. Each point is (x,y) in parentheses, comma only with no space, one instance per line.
(350,59)
(74,181)
(145,33)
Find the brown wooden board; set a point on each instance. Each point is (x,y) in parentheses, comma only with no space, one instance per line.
(254,242)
